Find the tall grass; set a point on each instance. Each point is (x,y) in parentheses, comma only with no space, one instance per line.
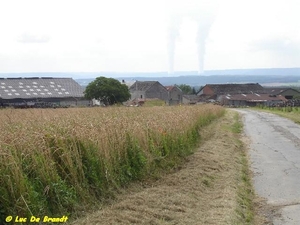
(58,161)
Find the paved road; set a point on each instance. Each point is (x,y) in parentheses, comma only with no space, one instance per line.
(275,159)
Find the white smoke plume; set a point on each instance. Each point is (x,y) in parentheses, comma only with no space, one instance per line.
(173,34)
(203,12)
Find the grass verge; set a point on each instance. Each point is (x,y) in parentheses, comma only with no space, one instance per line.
(245,192)
(292,113)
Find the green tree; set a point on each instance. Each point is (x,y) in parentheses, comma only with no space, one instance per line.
(194,91)
(107,90)
(186,89)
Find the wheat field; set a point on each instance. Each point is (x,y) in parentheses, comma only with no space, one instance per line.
(60,161)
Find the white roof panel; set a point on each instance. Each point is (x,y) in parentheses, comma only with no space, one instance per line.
(50,87)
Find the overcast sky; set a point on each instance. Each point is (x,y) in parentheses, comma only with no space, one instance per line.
(148,35)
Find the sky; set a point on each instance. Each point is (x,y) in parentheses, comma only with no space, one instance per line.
(148,35)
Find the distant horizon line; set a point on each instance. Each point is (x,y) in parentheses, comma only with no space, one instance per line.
(145,72)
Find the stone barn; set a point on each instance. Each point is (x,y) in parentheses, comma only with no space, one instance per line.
(148,90)
(174,95)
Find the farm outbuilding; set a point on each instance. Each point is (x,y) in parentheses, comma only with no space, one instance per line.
(174,95)
(41,92)
(148,90)
(288,93)
(190,99)
(251,99)
(213,91)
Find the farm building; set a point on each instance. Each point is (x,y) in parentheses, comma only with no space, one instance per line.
(174,95)
(148,90)
(288,93)
(42,92)
(213,91)
(190,99)
(251,99)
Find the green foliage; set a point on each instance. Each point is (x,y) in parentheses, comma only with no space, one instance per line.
(288,112)
(194,91)
(154,102)
(245,192)
(186,89)
(237,126)
(107,90)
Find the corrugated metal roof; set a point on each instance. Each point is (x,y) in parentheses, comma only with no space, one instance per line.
(248,88)
(27,88)
(279,90)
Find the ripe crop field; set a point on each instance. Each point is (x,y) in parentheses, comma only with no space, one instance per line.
(59,161)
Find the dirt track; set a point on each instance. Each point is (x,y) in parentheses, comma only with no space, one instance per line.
(202,191)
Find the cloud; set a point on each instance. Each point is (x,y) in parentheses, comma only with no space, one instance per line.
(281,45)
(30,38)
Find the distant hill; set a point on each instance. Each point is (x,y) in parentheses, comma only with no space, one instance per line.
(285,76)
(237,72)
(214,79)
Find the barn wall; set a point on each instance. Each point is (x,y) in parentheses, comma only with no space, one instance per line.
(207,91)
(57,101)
(138,94)
(157,91)
(175,96)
